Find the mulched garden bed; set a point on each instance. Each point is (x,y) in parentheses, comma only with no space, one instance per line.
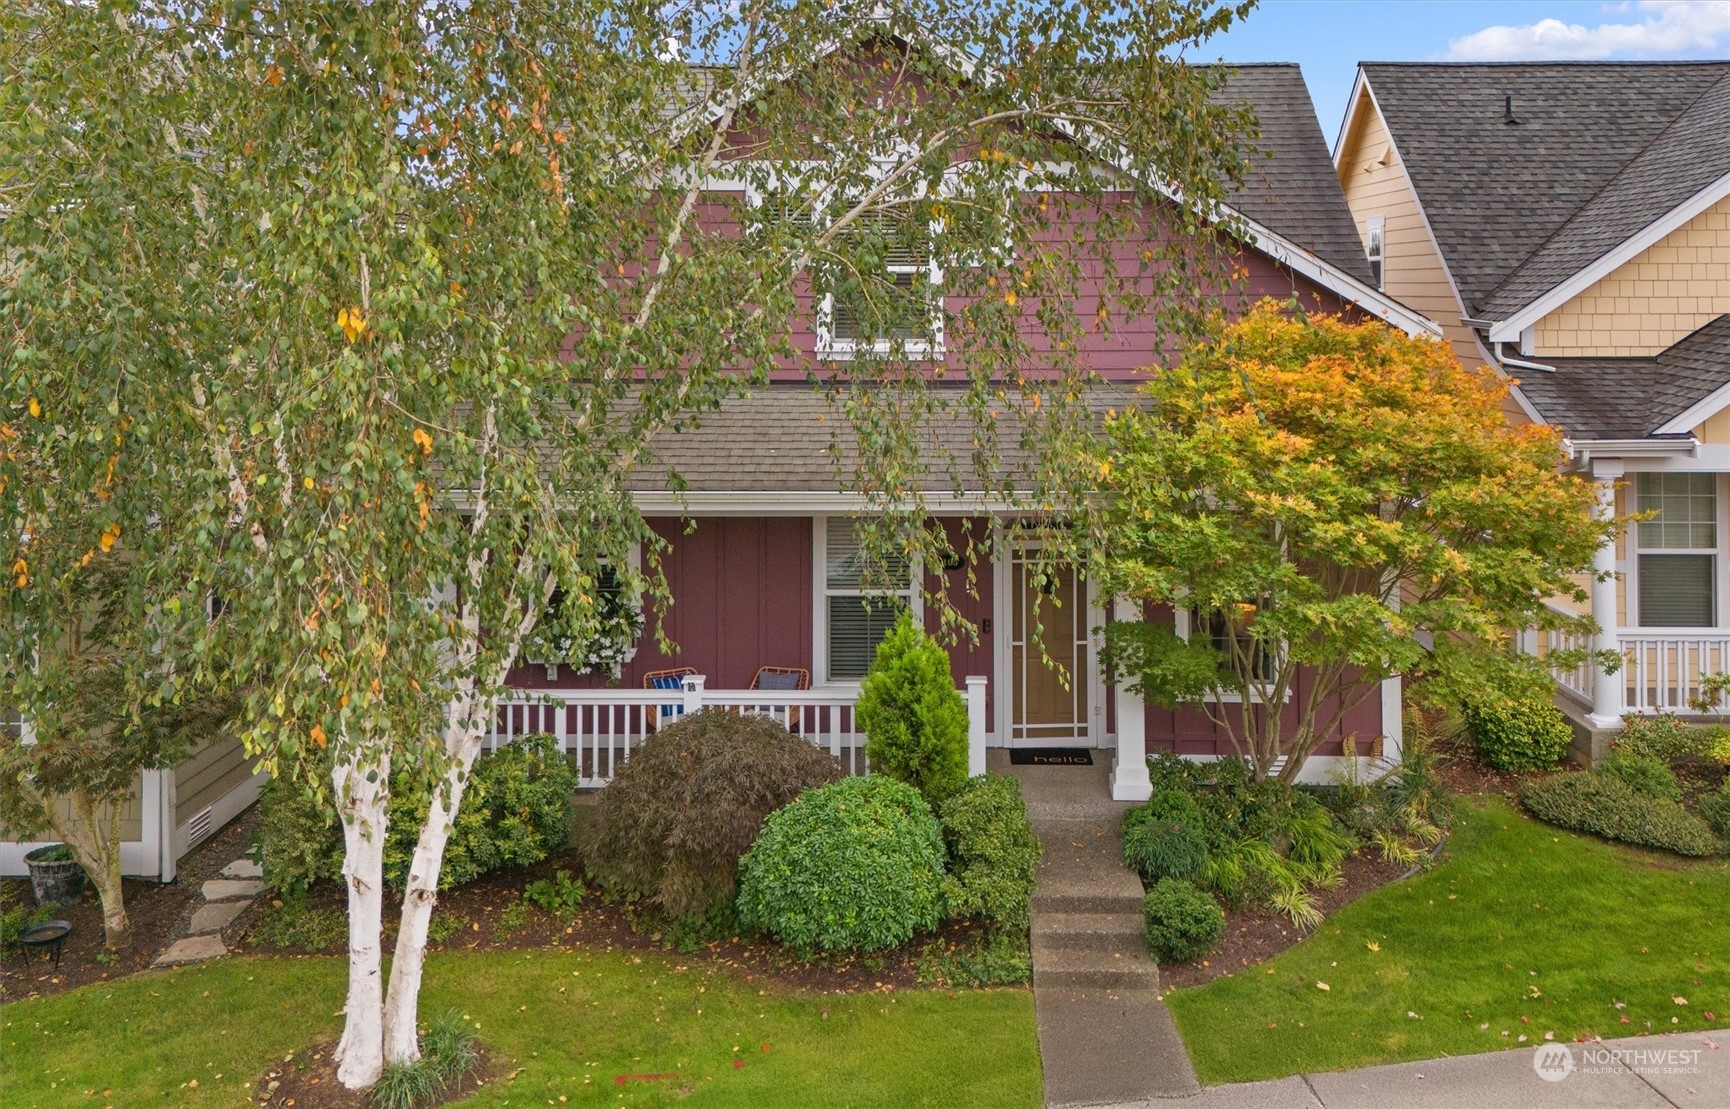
(307,1080)
(1253,936)
(159,913)
(479,906)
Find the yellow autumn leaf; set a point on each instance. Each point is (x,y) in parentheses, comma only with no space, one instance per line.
(107,541)
(423,440)
(1009,298)
(318,736)
(35,408)
(353,323)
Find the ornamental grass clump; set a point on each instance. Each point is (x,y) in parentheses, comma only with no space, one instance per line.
(853,866)
(670,828)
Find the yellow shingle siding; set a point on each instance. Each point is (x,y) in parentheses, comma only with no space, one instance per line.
(1665,293)
(1375,184)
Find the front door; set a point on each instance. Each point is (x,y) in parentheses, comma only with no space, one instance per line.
(1047,621)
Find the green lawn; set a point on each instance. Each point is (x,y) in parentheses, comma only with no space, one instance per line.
(1523,930)
(562,1024)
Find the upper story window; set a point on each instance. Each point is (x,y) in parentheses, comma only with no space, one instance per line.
(856,611)
(1374,243)
(1677,550)
(893,308)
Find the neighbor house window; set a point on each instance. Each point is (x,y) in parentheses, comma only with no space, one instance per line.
(858,610)
(1678,550)
(1374,232)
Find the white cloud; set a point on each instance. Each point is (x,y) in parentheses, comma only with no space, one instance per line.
(1669,28)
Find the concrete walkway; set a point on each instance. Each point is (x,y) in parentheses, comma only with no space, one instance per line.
(1684,1070)
(1104,1034)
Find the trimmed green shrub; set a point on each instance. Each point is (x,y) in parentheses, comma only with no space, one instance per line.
(1646,774)
(853,866)
(993,853)
(672,824)
(1663,737)
(1183,922)
(915,721)
(1715,810)
(299,839)
(1164,838)
(1523,732)
(516,810)
(1607,806)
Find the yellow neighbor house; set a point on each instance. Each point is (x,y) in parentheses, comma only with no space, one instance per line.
(1569,224)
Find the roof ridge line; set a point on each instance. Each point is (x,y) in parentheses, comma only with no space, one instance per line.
(1606,187)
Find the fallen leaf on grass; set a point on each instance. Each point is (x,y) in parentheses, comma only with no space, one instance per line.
(1323,986)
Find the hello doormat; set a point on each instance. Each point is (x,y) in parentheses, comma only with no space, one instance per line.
(1050,756)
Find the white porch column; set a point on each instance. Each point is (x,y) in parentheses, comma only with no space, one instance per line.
(975,725)
(1607,688)
(1129,780)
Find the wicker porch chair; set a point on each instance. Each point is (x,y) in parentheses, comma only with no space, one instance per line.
(785,678)
(667,679)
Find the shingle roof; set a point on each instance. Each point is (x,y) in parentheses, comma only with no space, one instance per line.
(1692,152)
(1291,187)
(1496,193)
(778,439)
(1630,398)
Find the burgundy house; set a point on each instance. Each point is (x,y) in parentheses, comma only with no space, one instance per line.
(765,576)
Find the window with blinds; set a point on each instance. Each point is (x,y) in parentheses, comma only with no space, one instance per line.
(1677,550)
(860,607)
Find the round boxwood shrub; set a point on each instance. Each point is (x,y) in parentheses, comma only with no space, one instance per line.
(1607,806)
(853,866)
(1519,732)
(672,824)
(1646,774)
(915,722)
(993,852)
(1183,923)
(1164,838)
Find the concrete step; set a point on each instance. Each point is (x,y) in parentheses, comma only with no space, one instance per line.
(1056,895)
(1090,931)
(1095,970)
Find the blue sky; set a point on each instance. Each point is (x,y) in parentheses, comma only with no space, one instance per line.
(1329,37)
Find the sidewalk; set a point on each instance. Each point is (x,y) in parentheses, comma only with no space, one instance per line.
(1614,1074)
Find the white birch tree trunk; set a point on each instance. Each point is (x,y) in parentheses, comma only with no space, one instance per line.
(364,808)
(402,1002)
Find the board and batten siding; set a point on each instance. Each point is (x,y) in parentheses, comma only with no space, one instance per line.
(1376,185)
(1663,294)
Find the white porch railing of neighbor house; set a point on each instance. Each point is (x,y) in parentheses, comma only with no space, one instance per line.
(1661,670)
(600,728)
(1661,667)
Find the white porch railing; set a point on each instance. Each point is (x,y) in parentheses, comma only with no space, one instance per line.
(1661,668)
(600,728)
(1582,680)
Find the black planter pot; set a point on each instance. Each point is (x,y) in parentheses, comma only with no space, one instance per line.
(54,880)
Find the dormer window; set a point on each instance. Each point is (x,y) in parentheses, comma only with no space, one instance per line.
(897,309)
(1373,245)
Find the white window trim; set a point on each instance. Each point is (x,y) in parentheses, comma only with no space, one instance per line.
(833,349)
(1631,565)
(820,594)
(1376,230)
(1181,626)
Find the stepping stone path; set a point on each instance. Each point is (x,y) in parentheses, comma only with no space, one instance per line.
(1105,1034)
(225,897)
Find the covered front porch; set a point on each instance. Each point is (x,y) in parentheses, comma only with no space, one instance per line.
(1660,599)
